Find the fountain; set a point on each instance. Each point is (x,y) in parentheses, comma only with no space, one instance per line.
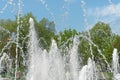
(116,65)
(88,72)
(50,64)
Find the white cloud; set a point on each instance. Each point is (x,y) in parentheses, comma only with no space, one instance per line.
(106,10)
(109,14)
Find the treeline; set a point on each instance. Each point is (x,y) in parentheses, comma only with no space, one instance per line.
(101,38)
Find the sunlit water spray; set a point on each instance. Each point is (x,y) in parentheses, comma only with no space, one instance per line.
(48,9)
(115,65)
(44,65)
(65,7)
(52,65)
(88,72)
(89,35)
(8,4)
(86,24)
(74,59)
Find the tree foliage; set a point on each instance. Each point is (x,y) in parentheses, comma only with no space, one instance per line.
(101,35)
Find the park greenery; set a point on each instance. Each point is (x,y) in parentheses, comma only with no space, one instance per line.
(100,34)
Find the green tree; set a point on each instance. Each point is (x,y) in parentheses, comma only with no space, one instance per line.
(65,37)
(8,31)
(101,35)
(46,31)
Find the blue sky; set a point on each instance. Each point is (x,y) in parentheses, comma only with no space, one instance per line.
(67,13)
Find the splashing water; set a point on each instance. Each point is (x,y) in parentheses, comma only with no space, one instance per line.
(74,59)
(88,71)
(48,9)
(34,53)
(9,2)
(52,65)
(116,65)
(42,65)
